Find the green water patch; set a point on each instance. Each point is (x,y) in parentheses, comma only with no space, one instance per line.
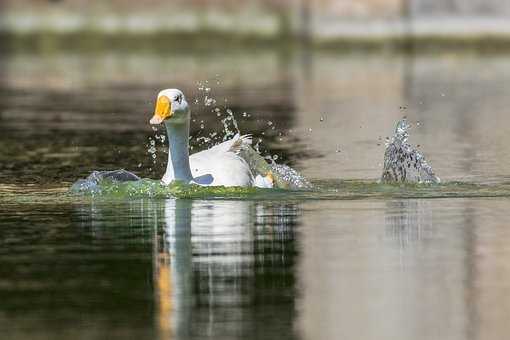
(322,190)
(148,188)
(333,189)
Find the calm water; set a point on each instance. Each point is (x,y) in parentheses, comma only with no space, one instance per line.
(357,261)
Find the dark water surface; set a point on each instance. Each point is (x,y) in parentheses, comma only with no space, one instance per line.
(357,260)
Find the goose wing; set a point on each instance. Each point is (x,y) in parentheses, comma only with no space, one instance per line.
(222,164)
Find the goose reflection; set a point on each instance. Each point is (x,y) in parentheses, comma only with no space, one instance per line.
(218,261)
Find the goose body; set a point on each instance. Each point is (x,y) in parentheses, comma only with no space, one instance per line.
(220,165)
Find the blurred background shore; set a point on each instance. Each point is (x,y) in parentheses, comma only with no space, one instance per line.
(483,23)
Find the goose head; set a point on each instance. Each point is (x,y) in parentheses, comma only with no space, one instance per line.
(171,107)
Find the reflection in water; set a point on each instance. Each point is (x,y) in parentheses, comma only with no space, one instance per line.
(426,281)
(366,269)
(408,222)
(71,272)
(224,269)
(220,269)
(399,269)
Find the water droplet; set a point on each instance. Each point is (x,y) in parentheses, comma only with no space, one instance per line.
(322,119)
(309,129)
(139,165)
(202,126)
(209,101)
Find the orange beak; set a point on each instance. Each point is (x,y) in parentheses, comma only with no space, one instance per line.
(163,110)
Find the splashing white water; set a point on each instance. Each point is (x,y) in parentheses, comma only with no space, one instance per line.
(152,150)
(230,127)
(402,162)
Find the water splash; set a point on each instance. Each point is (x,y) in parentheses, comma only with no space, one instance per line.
(121,184)
(261,164)
(92,184)
(284,176)
(151,150)
(229,122)
(402,162)
(230,126)
(402,131)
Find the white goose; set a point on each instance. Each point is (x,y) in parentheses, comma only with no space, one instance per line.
(220,165)
(231,163)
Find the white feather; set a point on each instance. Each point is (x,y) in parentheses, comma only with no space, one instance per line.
(221,165)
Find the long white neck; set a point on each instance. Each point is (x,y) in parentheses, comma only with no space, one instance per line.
(177,167)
